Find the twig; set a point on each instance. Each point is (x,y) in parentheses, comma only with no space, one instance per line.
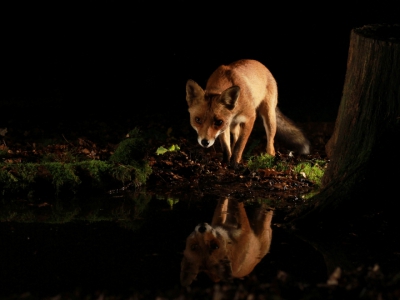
(66,139)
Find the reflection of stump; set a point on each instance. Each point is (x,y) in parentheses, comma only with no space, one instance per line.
(363,148)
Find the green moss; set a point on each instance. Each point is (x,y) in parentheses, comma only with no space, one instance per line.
(63,175)
(312,170)
(262,161)
(131,150)
(96,169)
(70,176)
(17,176)
(266,161)
(67,171)
(282,166)
(130,161)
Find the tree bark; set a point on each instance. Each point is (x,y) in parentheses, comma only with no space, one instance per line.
(364,163)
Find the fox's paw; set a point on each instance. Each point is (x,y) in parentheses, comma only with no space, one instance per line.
(239,167)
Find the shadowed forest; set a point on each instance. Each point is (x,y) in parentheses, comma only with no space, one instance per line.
(102,178)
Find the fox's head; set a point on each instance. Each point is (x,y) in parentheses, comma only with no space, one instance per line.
(210,114)
(206,251)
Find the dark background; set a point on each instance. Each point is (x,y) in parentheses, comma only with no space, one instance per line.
(99,59)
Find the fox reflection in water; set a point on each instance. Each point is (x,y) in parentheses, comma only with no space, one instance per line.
(230,247)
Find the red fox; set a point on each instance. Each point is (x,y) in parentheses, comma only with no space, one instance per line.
(228,105)
(230,246)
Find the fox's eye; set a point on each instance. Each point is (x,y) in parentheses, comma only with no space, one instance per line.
(214,246)
(194,247)
(197,119)
(218,122)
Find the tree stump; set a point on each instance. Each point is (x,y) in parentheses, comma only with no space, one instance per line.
(364,163)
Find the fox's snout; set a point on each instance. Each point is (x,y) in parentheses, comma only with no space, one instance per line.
(205,143)
(203,227)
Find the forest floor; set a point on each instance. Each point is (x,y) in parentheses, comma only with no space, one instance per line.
(179,166)
(184,170)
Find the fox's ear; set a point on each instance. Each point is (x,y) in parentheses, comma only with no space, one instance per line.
(193,92)
(229,97)
(189,272)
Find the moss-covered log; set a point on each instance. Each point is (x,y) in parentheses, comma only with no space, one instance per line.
(25,178)
(75,174)
(363,170)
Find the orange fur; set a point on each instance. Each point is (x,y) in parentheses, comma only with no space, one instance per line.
(230,247)
(228,105)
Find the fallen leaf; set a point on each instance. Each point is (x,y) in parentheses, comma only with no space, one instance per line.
(335,276)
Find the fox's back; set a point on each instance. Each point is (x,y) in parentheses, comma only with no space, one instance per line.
(251,76)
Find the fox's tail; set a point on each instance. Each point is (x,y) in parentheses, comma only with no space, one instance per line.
(290,134)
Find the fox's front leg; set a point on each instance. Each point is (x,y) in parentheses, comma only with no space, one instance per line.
(225,138)
(220,213)
(262,220)
(263,230)
(244,133)
(242,219)
(235,131)
(270,128)
(267,111)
